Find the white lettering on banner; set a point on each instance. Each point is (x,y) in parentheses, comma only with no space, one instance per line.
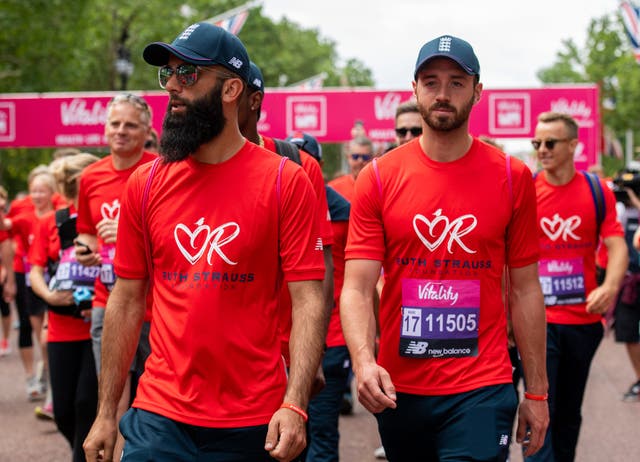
(77,113)
(437,291)
(577,109)
(385,108)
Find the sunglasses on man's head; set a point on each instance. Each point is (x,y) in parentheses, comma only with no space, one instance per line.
(364,157)
(549,144)
(415,131)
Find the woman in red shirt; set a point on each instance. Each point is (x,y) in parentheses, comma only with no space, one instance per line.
(71,364)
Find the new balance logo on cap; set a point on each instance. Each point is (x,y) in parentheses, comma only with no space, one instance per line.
(257,83)
(445,44)
(235,62)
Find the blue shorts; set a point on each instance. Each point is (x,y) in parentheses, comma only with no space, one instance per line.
(474,426)
(152,437)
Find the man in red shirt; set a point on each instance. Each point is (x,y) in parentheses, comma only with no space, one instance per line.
(359,153)
(569,231)
(427,213)
(216,227)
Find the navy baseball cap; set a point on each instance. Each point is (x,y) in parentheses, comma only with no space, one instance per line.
(256,81)
(450,47)
(307,143)
(202,44)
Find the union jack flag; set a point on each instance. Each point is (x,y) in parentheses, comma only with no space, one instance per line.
(631,20)
(233,20)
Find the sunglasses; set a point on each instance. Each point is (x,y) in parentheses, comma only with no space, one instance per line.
(186,74)
(363,157)
(549,144)
(415,131)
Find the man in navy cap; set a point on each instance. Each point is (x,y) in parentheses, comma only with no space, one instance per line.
(200,232)
(444,216)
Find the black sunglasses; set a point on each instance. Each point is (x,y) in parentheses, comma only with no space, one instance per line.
(549,144)
(415,131)
(364,157)
(186,74)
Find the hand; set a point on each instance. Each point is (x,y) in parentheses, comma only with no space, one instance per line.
(9,290)
(375,388)
(319,382)
(601,299)
(60,298)
(533,420)
(99,444)
(107,230)
(84,257)
(286,436)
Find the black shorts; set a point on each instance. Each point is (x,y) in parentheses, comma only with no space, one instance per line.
(627,323)
(35,305)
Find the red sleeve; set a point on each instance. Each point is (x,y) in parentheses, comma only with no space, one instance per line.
(522,232)
(84,223)
(131,259)
(366,231)
(312,168)
(300,241)
(44,231)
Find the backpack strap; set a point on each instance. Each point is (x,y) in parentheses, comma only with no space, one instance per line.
(289,150)
(143,216)
(66,226)
(598,199)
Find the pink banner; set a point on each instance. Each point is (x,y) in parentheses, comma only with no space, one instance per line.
(77,119)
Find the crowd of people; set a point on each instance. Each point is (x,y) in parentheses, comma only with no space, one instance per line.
(207,295)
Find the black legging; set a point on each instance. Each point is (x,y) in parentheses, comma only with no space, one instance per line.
(25,339)
(75,391)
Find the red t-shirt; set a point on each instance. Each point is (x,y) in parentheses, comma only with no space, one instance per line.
(568,243)
(101,187)
(443,232)
(46,245)
(334,333)
(345,185)
(313,171)
(224,244)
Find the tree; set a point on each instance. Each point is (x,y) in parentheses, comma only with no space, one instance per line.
(73,45)
(606,59)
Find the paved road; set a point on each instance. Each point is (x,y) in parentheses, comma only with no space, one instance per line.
(611,429)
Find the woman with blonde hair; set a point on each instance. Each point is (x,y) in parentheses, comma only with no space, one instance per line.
(68,297)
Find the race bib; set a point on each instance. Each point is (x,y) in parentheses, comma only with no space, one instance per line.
(562,281)
(440,319)
(107,275)
(71,274)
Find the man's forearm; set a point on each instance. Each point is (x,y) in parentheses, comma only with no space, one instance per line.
(122,323)
(356,311)
(306,343)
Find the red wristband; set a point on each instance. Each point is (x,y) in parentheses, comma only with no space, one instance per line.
(533,397)
(296,409)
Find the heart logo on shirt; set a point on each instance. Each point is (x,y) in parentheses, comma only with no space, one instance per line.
(195,247)
(202,237)
(431,228)
(440,228)
(111,211)
(556,227)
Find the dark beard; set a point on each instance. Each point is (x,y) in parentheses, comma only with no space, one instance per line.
(183,134)
(444,124)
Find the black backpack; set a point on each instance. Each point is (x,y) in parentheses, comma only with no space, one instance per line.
(290,150)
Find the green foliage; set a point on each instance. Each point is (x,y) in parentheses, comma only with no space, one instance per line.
(605,59)
(72,45)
